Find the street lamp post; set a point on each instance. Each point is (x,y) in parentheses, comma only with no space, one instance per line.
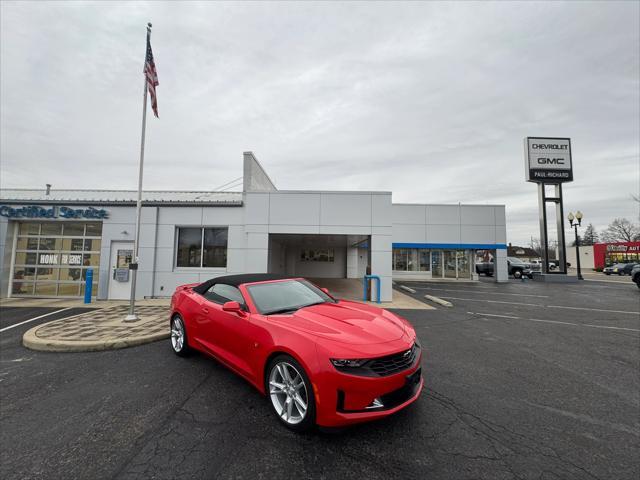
(578,218)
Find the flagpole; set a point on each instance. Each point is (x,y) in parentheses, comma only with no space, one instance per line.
(132,317)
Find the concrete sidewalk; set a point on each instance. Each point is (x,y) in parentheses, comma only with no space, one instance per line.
(102,329)
(351,289)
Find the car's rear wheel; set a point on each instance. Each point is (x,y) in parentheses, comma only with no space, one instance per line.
(179,342)
(290,393)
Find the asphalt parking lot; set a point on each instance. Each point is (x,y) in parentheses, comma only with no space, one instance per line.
(523,380)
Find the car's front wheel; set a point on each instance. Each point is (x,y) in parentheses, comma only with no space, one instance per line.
(179,342)
(290,393)
(517,273)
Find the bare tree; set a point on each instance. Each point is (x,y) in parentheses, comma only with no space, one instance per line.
(535,246)
(621,230)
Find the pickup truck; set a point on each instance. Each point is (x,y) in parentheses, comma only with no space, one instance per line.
(515,267)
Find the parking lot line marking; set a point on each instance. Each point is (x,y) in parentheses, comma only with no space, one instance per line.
(556,321)
(32,319)
(612,328)
(482,293)
(492,315)
(544,306)
(494,301)
(552,321)
(593,309)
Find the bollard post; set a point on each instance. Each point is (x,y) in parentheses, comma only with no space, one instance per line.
(88,285)
(365,286)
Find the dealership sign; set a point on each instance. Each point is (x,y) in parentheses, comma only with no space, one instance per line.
(34,211)
(548,160)
(624,248)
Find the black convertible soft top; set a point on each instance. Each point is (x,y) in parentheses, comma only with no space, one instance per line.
(236,280)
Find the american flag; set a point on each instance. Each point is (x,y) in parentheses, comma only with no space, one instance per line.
(152,77)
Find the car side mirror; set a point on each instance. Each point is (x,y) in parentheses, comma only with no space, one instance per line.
(232,307)
(325,290)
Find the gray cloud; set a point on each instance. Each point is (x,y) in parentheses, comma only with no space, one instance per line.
(428,100)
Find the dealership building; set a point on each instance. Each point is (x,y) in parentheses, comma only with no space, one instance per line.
(50,238)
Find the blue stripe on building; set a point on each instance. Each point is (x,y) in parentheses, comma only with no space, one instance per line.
(468,246)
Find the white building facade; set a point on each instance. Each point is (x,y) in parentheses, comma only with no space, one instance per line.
(50,239)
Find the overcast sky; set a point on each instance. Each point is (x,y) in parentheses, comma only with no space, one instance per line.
(428,100)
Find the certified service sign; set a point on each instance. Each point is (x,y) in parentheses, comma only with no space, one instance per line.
(548,160)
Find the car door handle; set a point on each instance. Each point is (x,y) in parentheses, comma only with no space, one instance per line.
(205,310)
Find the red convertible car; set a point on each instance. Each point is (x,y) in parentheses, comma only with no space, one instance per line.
(321,361)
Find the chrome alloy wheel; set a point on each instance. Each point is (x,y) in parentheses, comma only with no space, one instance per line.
(177,334)
(288,393)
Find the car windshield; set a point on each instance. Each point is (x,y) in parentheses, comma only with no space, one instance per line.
(515,260)
(286,296)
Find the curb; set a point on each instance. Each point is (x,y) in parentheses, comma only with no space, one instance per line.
(438,300)
(410,290)
(31,341)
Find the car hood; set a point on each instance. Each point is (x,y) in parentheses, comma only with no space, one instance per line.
(346,322)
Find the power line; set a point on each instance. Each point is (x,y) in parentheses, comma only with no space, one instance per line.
(230,186)
(225,184)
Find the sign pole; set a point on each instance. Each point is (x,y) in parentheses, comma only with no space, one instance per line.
(132,317)
(544,242)
(548,163)
(562,247)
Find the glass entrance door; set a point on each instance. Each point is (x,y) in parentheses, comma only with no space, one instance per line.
(464,264)
(436,263)
(450,264)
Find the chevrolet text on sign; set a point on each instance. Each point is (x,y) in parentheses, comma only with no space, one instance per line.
(548,160)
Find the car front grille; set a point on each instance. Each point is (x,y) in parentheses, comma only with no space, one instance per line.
(394,363)
(385,366)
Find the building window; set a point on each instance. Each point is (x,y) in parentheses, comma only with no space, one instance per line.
(52,258)
(400,259)
(215,247)
(425,260)
(411,260)
(202,247)
(317,255)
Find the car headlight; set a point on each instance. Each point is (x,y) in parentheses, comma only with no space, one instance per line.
(348,362)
